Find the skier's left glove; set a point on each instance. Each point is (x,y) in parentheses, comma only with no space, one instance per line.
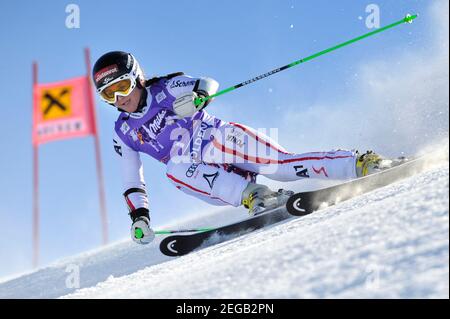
(184,105)
(141,231)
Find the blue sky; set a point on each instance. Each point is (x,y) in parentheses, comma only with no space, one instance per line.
(228,40)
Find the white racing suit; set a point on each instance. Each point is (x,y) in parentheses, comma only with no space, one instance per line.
(206,157)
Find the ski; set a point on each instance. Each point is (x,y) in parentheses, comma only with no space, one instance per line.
(305,203)
(178,245)
(299,204)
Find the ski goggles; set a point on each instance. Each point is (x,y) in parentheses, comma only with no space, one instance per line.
(122,86)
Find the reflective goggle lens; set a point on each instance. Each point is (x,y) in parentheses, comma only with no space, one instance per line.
(123,87)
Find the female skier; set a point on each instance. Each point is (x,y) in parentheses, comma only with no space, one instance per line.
(206,157)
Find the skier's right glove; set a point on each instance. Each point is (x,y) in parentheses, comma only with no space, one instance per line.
(184,105)
(141,232)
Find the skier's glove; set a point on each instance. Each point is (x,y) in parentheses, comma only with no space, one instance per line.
(141,232)
(184,106)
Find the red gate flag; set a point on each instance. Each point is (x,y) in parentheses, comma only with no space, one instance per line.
(62,110)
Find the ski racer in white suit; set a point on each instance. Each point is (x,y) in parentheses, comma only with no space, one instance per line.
(206,157)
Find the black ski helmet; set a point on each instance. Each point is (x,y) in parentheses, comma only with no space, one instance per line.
(113,65)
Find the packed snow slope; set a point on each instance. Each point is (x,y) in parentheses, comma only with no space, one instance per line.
(390,243)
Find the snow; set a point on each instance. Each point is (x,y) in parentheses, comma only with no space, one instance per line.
(390,243)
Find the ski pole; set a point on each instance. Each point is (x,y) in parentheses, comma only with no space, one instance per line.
(408,19)
(165,232)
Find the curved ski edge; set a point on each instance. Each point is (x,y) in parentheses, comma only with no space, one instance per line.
(179,245)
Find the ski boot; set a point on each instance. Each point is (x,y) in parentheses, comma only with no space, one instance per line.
(368,163)
(258,198)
